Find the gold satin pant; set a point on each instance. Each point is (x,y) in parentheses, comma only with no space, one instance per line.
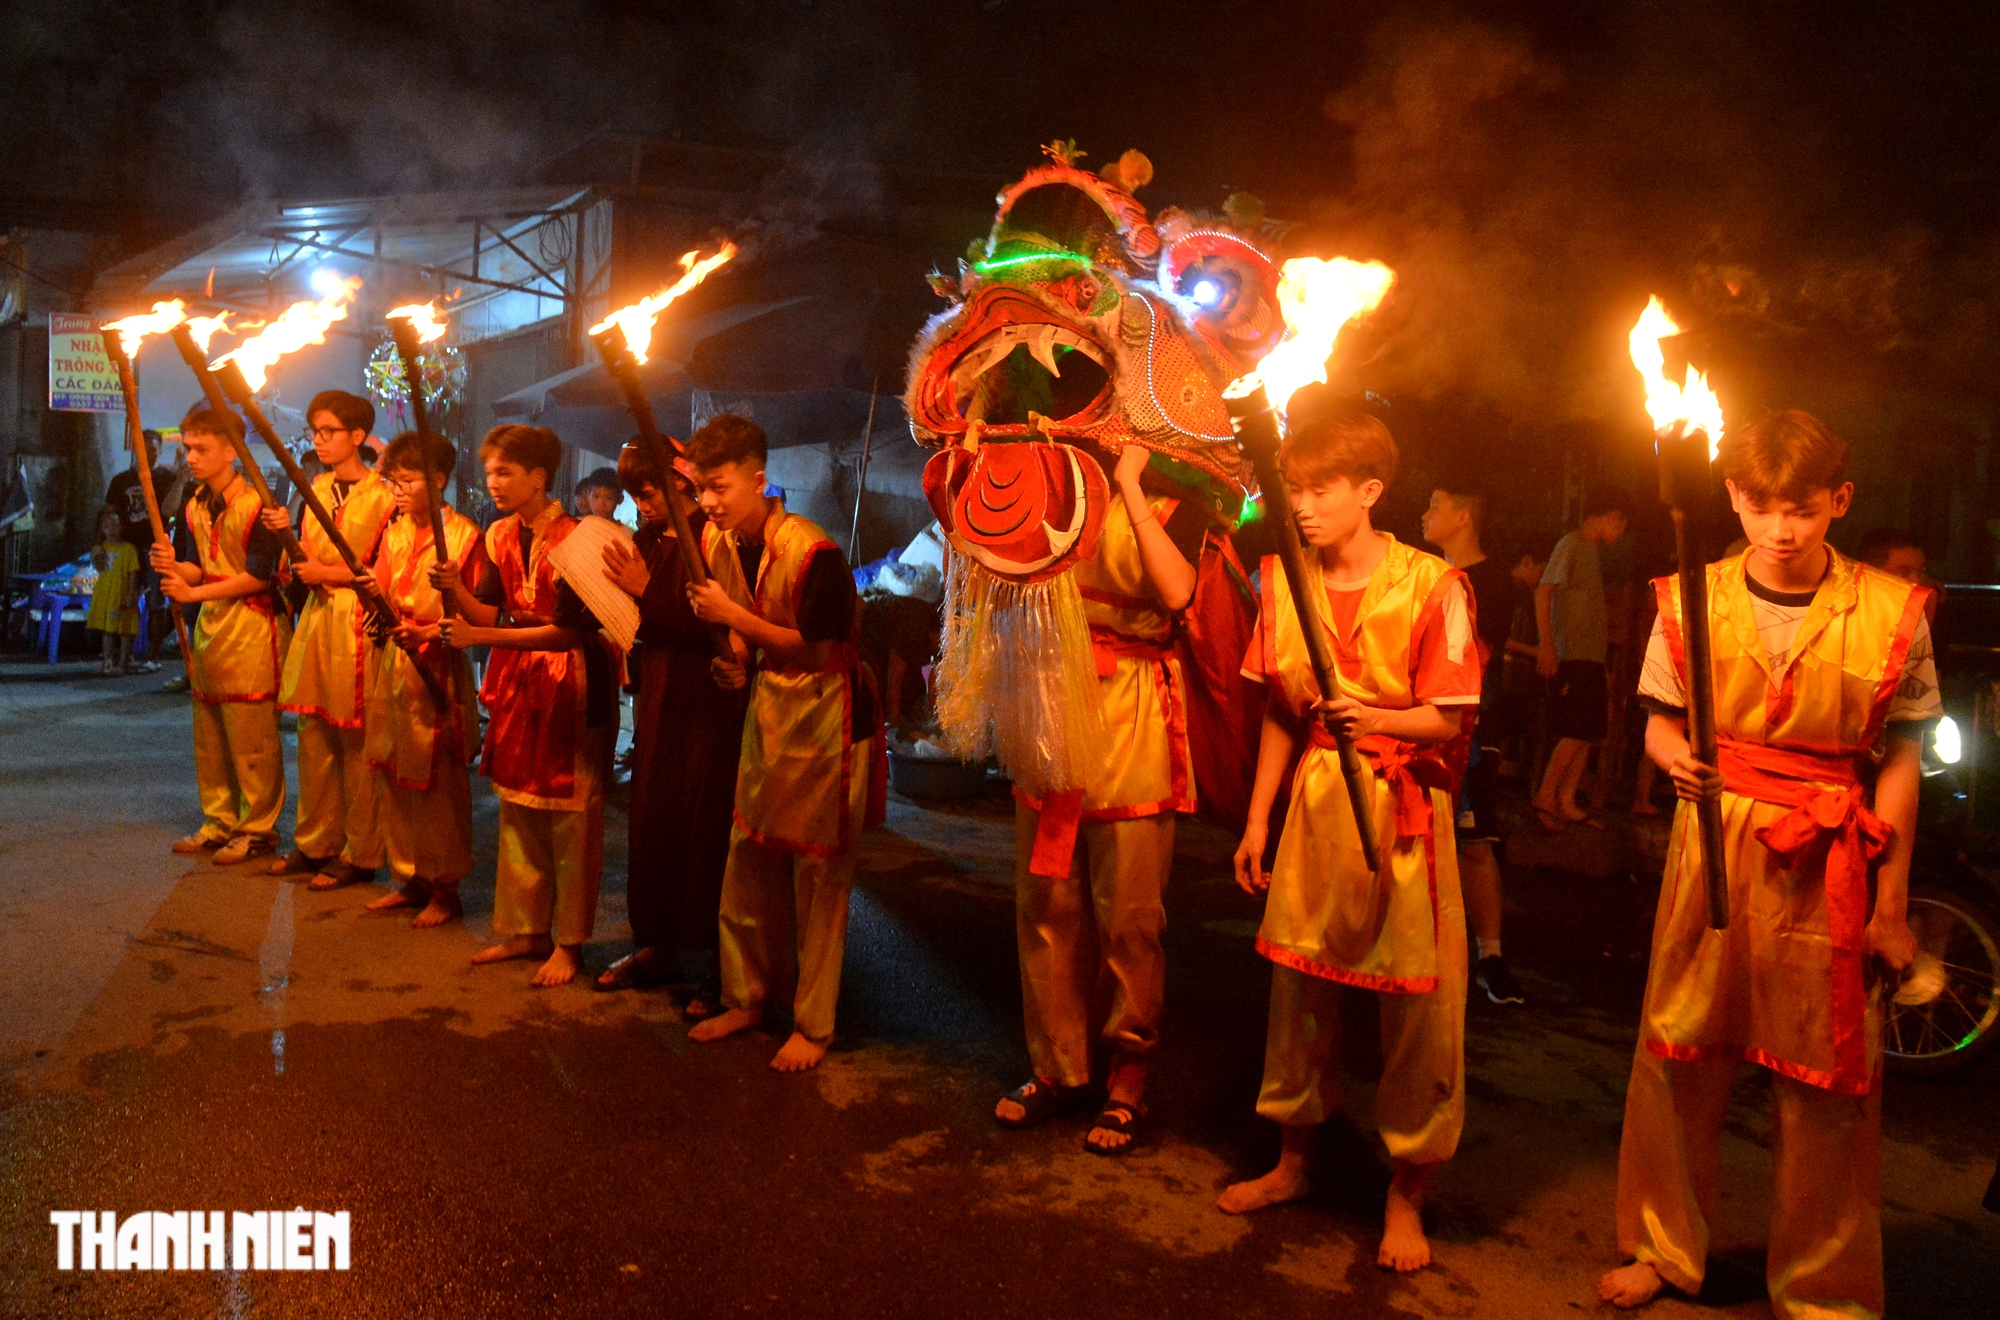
(427,834)
(1420,1101)
(337,796)
(1090,942)
(548,870)
(239,765)
(1825,1252)
(784,916)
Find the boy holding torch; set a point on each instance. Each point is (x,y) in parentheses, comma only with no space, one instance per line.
(553,700)
(417,750)
(1407,664)
(811,770)
(239,643)
(1824,682)
(325,678)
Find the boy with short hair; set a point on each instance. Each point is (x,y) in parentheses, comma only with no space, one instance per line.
(553,701)
(811,771)
(418,746)
(1454,524)
(1823,679)
(1574,629)
(597,495)
(326,669)
(239,642)
(687,734)
(1408,672)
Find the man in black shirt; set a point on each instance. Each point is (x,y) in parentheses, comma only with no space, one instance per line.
(1452,523)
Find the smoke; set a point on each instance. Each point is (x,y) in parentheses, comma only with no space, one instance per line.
(1531,195)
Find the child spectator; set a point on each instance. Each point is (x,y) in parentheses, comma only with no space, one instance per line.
(1453,523)
(597,495)
(114,601)
(1573,632)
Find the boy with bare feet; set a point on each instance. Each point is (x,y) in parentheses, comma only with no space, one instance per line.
(1575,629)
(552,700)
(325,680)
(238,641)
(810,776)
(1408,673)
(1823,680)
(418,748)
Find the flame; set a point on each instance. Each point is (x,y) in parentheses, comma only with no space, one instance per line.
(1317,298)
(424,316)
(132,330)
(1692,401)
(637,320)
(300,324)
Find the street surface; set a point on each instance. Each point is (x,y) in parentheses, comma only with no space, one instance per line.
(180,1036)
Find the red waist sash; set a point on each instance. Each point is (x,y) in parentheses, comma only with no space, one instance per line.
(1835,822)
(1410,769)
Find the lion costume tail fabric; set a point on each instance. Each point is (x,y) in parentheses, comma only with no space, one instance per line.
(1016,678)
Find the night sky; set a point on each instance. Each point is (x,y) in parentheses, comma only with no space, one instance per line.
(1531,168)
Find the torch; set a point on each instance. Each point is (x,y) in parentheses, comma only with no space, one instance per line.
(114,348)
(1317,298)
(1256,427)
(623,339)
(192,354)
(413,326)
(1687,421)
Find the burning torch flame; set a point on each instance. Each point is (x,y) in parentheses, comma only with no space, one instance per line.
(1692,401)
(133,330)
(424,316)
(300,324)
(1317,298)
(637,320)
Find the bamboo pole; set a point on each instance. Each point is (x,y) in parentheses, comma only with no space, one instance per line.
(114,348)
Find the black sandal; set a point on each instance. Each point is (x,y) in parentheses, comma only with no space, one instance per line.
(1040,1101)
(630,973)
(1116,1117)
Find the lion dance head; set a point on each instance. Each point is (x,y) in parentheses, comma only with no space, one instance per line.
(1081,326)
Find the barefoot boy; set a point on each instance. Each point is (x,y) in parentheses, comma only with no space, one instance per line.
(1823,681)
(810,776)
(1408,665)
(416,749)
(1095,925)
(325,677)
(239,644)
(553,703)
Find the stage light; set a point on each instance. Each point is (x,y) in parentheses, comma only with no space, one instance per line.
(326,281)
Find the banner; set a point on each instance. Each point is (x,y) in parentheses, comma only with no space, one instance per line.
(81,377)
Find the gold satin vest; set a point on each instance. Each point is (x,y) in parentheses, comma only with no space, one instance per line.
(239,645)
(326,665)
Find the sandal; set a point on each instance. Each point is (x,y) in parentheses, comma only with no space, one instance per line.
(1040,1101)
(1116,1117)
(629,973)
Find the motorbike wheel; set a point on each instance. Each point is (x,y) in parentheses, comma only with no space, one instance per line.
(1946,1014)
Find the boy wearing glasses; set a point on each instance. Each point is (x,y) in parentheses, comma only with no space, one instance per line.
(325,670)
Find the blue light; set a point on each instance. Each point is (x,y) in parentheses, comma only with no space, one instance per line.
(1206,293)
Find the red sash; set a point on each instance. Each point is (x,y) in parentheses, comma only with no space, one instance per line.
(1838,821)
(1410,769)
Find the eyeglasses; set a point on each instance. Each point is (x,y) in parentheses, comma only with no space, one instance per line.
(328,432)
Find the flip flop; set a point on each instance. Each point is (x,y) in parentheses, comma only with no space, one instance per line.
(1116,1117)
(1040,1101)
(629,973)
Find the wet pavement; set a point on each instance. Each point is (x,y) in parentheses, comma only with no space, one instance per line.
(180,1036)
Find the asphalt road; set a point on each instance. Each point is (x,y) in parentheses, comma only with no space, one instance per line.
(177,1036)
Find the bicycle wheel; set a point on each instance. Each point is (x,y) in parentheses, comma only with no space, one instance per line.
(1947,1011)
